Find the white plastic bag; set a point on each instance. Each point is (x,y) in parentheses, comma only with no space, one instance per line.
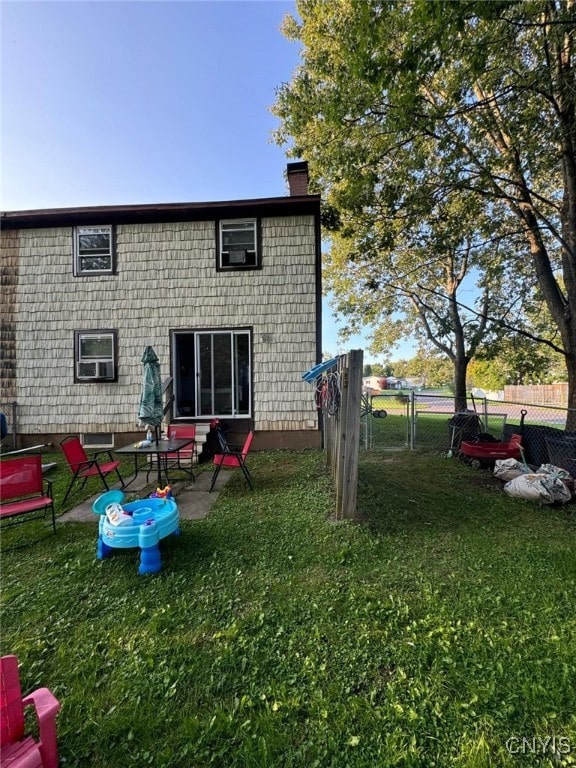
(560,490)
(550,469)
(545,489)
(508,469)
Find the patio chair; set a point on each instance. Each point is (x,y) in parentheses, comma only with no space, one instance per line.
(17,749)
(188,453)
(233,457)
(84,467)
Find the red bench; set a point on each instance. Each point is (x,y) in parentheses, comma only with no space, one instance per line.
(23,490)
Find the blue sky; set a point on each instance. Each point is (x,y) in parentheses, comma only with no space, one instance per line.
(106,102)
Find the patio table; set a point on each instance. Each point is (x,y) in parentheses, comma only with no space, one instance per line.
(160,449)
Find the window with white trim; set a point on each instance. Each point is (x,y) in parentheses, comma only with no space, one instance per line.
(95,356)
(94,250)
(238,244)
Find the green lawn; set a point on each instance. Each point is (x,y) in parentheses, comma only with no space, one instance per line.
(275,638)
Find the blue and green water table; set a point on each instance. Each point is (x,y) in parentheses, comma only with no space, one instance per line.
(142,523)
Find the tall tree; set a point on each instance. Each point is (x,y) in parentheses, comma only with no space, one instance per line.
(519,359)
(421,273)
(397,104)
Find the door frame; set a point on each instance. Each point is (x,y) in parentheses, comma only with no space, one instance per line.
(196,333)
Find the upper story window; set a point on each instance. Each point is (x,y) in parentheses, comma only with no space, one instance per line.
(238,244)
(95,355)
(94,250)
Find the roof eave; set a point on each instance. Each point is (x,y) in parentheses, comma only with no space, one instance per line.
(150,213)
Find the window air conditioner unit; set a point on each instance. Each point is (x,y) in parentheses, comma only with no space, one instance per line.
(237,257)
(96,370)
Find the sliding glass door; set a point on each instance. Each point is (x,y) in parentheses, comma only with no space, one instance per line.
(213,373)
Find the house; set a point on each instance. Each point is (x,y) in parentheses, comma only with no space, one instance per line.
(227,293)
(394,383)
(374,383)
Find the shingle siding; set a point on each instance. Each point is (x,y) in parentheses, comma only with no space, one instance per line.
(165,279)
(9,275)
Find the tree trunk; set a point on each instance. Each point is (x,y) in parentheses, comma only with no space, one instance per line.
(571,368)
(460,370)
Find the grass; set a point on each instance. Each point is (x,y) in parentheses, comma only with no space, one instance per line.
(432,431)
(273,637)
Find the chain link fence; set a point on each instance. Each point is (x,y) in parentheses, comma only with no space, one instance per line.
(427,422)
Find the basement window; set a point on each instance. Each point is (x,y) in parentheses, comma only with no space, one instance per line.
(97,440)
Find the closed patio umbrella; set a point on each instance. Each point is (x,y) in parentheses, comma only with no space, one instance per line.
(151,410)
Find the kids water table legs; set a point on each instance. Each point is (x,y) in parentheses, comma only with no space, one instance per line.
(142,524)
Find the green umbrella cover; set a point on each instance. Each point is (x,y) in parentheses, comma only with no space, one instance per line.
(151,410)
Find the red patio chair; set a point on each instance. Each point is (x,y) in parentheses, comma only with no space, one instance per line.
(231,457)
(17,750)
(84,467)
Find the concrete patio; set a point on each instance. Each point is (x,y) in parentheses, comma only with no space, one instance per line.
(193,498)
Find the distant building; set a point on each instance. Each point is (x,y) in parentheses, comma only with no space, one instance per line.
(374,382)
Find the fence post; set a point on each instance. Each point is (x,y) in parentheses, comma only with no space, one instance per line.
(365,417)
(349,449)
(412,419)
(340,434)
(485,413)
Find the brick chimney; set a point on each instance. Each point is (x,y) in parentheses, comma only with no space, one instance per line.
(297,178)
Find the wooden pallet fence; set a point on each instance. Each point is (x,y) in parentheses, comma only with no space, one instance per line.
(342,433)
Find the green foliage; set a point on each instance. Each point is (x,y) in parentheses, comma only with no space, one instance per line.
(275,638)
(444,134)
(378,369)
(487,374)
(431,369)
(516,360)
